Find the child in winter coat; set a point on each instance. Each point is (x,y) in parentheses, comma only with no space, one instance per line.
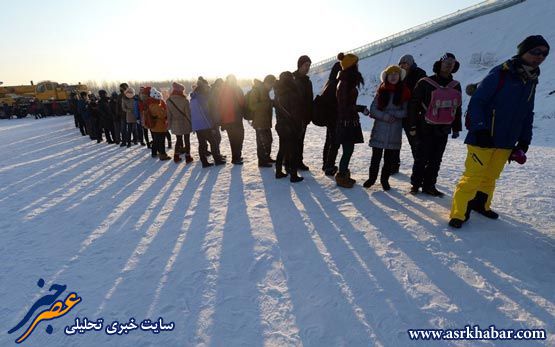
(155,112)
(388,109)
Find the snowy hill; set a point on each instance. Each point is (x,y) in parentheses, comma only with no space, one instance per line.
(235,257)
(479,44)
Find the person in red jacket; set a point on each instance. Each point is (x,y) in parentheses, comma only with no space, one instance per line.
(231,106)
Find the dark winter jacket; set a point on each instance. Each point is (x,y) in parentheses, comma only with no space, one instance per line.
(122,115)
(260,105)
(114,109)
(421,96)
(105,110)
(73,106)
(288,106)
(414,75)
(304,85)
(506,111)
(83,109)
(348,128)
(213,105)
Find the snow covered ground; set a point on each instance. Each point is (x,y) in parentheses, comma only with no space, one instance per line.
(237,258)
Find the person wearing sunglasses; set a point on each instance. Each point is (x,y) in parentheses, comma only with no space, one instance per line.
(500,117)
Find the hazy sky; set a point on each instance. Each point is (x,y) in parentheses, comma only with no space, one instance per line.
(74,40)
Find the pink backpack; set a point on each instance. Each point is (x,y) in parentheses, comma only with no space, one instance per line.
(443,104)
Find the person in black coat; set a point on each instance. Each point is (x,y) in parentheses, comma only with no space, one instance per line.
(413,75)
(304,86)
(348,130)
(431,138)
(289,125)
(106,116)
(329,98)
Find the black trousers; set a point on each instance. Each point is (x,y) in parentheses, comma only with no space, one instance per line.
(206,137)
(412,142)
(158,143)
(263,144)
(169,138)
(300,142)
(289,152)
(81,124)
(183,144)
(429,153)
(389,156)
(330,148)
(236,135)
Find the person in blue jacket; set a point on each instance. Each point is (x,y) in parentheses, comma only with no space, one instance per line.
(501,113)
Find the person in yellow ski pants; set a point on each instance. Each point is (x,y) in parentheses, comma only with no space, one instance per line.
(483,167)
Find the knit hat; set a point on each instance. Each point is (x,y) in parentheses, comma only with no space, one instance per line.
(391,69)
(407,58)
(129,92)
(530,43)
(178,88)
(348,61)
(303,59)
(101,93)
(437,64)
(155,94)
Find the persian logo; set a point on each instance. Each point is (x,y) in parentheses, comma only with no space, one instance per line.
(56,309)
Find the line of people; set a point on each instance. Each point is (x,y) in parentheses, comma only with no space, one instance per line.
(427,108)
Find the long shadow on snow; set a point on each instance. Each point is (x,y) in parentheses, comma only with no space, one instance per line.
(475,251)
(318,303)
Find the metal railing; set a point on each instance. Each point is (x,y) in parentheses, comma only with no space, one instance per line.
(420,31)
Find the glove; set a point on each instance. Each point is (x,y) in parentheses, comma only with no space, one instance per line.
(483,139)
(366,111)
(412,131)
(523,146)
(518,155)
(455,135)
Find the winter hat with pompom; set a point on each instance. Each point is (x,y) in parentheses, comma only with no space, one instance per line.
(391,69)
(348,61)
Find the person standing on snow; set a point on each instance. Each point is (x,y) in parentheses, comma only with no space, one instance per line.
(500,114)
(261,106)
(179,122)
(231,107)
(289,126)
(348,130)
(434,111)
(201,123)
(329,107)
(388,109)
(155,112)
(413,75)
(304,85)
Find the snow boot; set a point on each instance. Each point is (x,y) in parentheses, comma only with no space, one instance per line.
(188,159)
(455,223)
(164,157)
(344,180)
(176,158)
(433,192)
(280,174)
(295,178)
(331,171)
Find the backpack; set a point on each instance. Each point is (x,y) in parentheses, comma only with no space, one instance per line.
(500,85)
(325,106)
(248,114)
(443,104)
(320,111)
